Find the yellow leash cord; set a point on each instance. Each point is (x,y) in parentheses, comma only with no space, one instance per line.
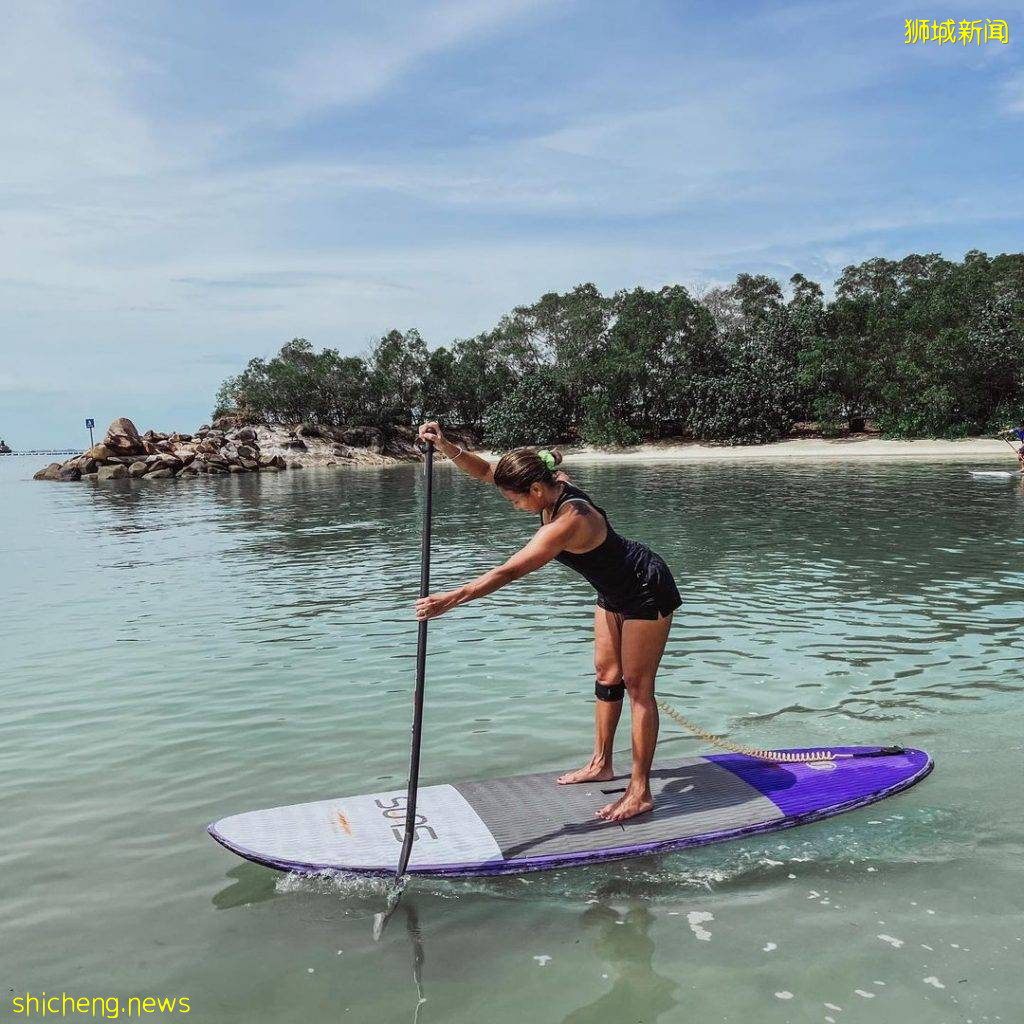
(778,756)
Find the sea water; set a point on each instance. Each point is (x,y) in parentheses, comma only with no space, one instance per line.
(175,651)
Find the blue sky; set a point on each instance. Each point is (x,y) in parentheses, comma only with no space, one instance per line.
(188,185)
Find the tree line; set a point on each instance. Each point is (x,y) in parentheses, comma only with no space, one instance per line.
(923,346)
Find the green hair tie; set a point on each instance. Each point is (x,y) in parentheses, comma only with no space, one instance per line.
(547,458)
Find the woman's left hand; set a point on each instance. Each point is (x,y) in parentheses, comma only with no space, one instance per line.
(436,604)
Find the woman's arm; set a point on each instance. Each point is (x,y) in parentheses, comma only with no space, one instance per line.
(469,463)
(549,541)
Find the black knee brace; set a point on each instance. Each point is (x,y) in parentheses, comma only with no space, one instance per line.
(612,694)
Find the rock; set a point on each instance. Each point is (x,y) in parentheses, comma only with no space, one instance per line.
(295,464)
(203,429)
(363,437)
(228,422)
(235,469)
(69,473)
(113,472)
(250,464)
(89,476)
(137,469)
(99,452)
(269,469)
(163,473)
(342,451)
(296,444)
(245,434)
(278,460)
(123,437)
(247,451)
(50,472)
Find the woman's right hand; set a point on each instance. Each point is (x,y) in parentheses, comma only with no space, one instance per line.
(431,431)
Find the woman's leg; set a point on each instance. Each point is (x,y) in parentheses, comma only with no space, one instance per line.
(607,665)
(643,643)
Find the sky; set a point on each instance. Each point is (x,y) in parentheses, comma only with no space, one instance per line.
(185,186)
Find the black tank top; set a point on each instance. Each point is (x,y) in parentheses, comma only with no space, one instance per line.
(614,567)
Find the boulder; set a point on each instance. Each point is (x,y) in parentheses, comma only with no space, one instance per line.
(137,469)
(247,451)
(296,444)
(295,464)
(89,476)
(235,469)
(363,437)
(228,422)
(123,437)
(99,452)
(342,451)
(112,472)
(269,469)
(245,434)
(163,473)
(250,464)
(278,460)
(69,473)
(203,429)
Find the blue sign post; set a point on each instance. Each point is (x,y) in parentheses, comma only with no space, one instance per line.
(89,424)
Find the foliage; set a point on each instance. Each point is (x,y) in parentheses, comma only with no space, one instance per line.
(601,425)
(924,346)
(533,412)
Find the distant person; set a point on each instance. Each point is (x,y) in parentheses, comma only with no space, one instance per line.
(1018,434)
(636,596)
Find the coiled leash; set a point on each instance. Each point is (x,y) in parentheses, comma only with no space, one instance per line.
(777,756)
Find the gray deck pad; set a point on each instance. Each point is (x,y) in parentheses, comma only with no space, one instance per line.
(530,822)
(532,816)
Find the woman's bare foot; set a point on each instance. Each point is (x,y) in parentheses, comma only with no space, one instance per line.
(636,801)
(598,770)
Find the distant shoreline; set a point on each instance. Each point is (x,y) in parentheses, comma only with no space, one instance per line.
(818,449)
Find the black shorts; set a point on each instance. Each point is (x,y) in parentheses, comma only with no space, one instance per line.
(658,597)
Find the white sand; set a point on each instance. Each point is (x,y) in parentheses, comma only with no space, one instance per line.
(973,449)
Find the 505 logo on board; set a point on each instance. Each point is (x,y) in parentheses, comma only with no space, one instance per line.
(395,815)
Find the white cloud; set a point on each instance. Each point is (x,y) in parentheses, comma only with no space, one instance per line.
(356,65)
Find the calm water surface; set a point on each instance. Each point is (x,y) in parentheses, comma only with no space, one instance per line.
(178,651)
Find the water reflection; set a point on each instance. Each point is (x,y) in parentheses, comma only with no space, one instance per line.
(623,944)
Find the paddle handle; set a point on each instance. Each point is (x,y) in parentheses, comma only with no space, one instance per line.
(421,668)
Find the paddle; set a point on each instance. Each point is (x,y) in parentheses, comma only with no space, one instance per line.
(417,714)
(421,667)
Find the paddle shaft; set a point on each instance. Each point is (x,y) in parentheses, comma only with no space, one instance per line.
(421,668)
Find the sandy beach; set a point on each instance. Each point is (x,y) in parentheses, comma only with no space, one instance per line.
(971,449)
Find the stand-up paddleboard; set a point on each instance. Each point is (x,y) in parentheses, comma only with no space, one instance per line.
(995,474)
(530,823)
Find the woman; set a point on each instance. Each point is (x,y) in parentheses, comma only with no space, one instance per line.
(636,596)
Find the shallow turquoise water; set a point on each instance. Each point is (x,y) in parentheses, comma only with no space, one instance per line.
(177,651)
